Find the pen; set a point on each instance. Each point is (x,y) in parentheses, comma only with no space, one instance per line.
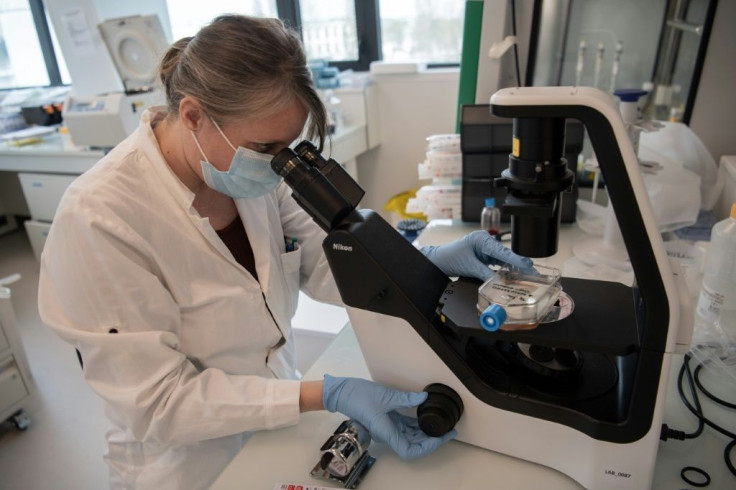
(291,244)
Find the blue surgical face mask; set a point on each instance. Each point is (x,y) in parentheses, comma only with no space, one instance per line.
(249,175)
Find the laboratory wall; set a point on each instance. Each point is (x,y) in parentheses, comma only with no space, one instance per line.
(412,107)
(714,112)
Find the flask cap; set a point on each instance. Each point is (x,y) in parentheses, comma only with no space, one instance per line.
(492,317)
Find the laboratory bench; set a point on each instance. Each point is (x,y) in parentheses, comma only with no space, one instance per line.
(288,455)
(33,177)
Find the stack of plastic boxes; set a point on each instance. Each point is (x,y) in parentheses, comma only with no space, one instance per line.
(443,165)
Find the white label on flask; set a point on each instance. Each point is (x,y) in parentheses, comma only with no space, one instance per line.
(709,304)
(523,292)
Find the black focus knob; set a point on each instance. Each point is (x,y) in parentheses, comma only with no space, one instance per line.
(440,411)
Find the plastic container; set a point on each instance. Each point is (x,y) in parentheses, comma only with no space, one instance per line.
(333,106)
(441,165)
(515,300)
(716,308)
(444,143)
(490,218)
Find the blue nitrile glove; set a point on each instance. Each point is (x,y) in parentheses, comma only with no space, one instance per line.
(471,255)
(374,406)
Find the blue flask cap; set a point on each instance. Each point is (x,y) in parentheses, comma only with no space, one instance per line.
(492,317)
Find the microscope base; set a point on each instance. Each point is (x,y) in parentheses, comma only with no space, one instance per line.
(396,355)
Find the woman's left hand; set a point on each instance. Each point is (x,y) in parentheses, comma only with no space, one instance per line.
(375,407)
(471,255)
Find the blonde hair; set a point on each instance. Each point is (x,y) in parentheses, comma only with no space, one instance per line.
(240,67)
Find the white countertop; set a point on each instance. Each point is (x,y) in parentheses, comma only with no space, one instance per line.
(288,455)
(48,156)
(52,156)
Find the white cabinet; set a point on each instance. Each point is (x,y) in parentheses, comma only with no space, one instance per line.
(43,193)
(37,232)
(16,384)
(12,389)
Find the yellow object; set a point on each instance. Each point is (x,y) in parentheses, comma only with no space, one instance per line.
(733,210)
(397,204)
(25,141)
(515,148)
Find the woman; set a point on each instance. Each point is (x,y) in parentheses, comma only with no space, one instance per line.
(165,268)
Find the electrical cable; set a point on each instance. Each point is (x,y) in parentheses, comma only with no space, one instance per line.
(708,393)
(696,409)
(516,44)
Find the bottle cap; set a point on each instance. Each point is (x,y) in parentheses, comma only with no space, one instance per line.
(492,317)
(490,202)
(733,211)
(629,94)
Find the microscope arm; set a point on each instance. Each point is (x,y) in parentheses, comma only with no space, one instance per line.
(620,167)
(375,268)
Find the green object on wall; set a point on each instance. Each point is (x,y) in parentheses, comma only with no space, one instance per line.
(469,60)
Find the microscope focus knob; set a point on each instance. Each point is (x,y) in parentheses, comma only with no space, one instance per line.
(440,411)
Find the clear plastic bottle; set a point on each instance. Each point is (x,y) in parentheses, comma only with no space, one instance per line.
(490,217)
(333,106)
(717,302)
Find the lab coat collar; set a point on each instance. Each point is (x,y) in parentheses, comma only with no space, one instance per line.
(252,211)
(145,139)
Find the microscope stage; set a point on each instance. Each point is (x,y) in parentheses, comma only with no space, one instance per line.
(604,318)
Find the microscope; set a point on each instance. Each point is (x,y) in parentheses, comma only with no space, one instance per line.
(583,395)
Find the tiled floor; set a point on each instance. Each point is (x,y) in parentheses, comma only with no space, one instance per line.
(62,448)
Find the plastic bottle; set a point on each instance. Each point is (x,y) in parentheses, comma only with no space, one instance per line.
(333,105)
(490,217)
(717,301)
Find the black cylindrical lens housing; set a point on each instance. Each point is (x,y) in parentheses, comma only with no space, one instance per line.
(535,179)
(541,139)
(535,236)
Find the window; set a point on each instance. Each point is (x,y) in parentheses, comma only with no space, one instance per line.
(28,61)
(329,29)
(348,33)
(187,17)
(425,31)
(21,58)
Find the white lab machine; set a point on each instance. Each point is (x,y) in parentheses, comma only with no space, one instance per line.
(16,384)
(103,121)
(135,45)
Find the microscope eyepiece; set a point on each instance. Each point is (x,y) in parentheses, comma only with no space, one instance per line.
(312,189)
(309,153)
(284,161)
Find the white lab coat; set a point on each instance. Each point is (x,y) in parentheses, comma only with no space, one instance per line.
(203,353)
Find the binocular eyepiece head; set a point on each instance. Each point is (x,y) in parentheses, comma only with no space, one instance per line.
(322,187)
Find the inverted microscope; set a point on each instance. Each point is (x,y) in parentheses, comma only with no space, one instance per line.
(583,395)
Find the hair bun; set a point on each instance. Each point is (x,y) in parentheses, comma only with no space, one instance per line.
(170,60)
